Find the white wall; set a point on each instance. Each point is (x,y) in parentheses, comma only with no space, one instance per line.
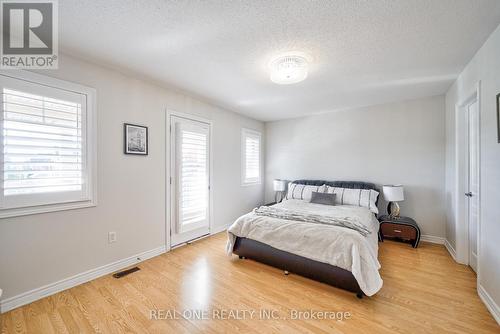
(484,67)
(393,143)
(40,249)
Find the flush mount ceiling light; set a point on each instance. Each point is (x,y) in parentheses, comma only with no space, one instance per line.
(288,69)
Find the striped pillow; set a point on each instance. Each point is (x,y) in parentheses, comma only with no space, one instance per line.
(359,197)
(302,191)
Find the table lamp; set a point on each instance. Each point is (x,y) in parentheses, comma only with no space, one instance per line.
(279,187)
(393,194)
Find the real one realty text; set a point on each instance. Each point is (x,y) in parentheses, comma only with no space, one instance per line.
(260,314)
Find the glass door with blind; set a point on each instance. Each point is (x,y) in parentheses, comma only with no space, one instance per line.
(189,179)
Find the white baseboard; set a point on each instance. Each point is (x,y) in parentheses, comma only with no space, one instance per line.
(450,250)
(432,239)
(489,302)
(50,289)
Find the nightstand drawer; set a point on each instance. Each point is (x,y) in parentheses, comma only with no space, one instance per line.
(398,230)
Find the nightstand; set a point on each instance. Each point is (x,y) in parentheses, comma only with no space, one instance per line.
(400,228)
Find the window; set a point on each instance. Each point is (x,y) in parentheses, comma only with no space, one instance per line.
(47,150)
(250,157)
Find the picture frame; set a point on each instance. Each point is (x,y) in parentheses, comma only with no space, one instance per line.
(498,117)
(135,139)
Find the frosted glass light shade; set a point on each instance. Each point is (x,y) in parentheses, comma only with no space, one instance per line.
(279,185)
(288,69)
(393,193)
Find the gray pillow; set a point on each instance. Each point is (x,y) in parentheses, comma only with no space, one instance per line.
(323,198)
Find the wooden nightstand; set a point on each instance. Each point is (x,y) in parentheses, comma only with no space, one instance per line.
(401,228)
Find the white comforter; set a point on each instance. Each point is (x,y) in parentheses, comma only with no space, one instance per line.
(335,245)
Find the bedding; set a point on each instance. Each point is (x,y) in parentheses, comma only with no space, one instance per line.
(302,191)
(287,214)
(323,198)
(335,245)
(361,197)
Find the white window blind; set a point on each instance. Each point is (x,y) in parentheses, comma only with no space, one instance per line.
(193,178)
(42,144)
(250,156)
(44,139)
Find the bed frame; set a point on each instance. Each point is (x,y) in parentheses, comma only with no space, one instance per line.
(319,271)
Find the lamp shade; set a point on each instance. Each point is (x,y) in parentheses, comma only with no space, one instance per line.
(393,193)
(279,185)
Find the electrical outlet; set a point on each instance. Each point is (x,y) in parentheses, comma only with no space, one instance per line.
(111,237)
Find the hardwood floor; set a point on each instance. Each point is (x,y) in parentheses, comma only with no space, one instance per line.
(424,291)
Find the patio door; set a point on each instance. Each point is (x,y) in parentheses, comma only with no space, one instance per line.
(189,179)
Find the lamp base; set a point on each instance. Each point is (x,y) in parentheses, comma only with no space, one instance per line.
(393,209)
(278,197)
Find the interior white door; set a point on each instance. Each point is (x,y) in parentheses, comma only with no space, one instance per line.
(472,183)
(190,179)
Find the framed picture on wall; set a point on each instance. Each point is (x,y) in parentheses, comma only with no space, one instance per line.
(498,117)
(135,139)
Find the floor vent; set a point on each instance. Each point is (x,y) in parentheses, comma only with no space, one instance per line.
(120,274)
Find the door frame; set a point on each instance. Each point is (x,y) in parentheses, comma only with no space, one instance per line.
(461,179)
(168,172)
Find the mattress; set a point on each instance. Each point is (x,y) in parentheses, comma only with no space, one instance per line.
(335,245)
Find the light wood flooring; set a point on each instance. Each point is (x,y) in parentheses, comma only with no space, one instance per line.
(424,291)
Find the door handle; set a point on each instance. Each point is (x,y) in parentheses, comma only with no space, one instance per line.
(469,194)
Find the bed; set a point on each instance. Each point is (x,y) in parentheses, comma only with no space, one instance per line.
(336,255)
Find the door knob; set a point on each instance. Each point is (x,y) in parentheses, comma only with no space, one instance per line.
(469,194)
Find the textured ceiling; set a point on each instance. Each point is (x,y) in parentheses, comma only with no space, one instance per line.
(363,51)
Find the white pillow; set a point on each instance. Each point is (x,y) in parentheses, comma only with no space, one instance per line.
(359,197)
(302,191)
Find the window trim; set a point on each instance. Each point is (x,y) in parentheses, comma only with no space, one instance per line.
(245,133)
(90,147)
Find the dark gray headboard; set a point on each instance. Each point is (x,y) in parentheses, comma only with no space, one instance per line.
(341,184)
